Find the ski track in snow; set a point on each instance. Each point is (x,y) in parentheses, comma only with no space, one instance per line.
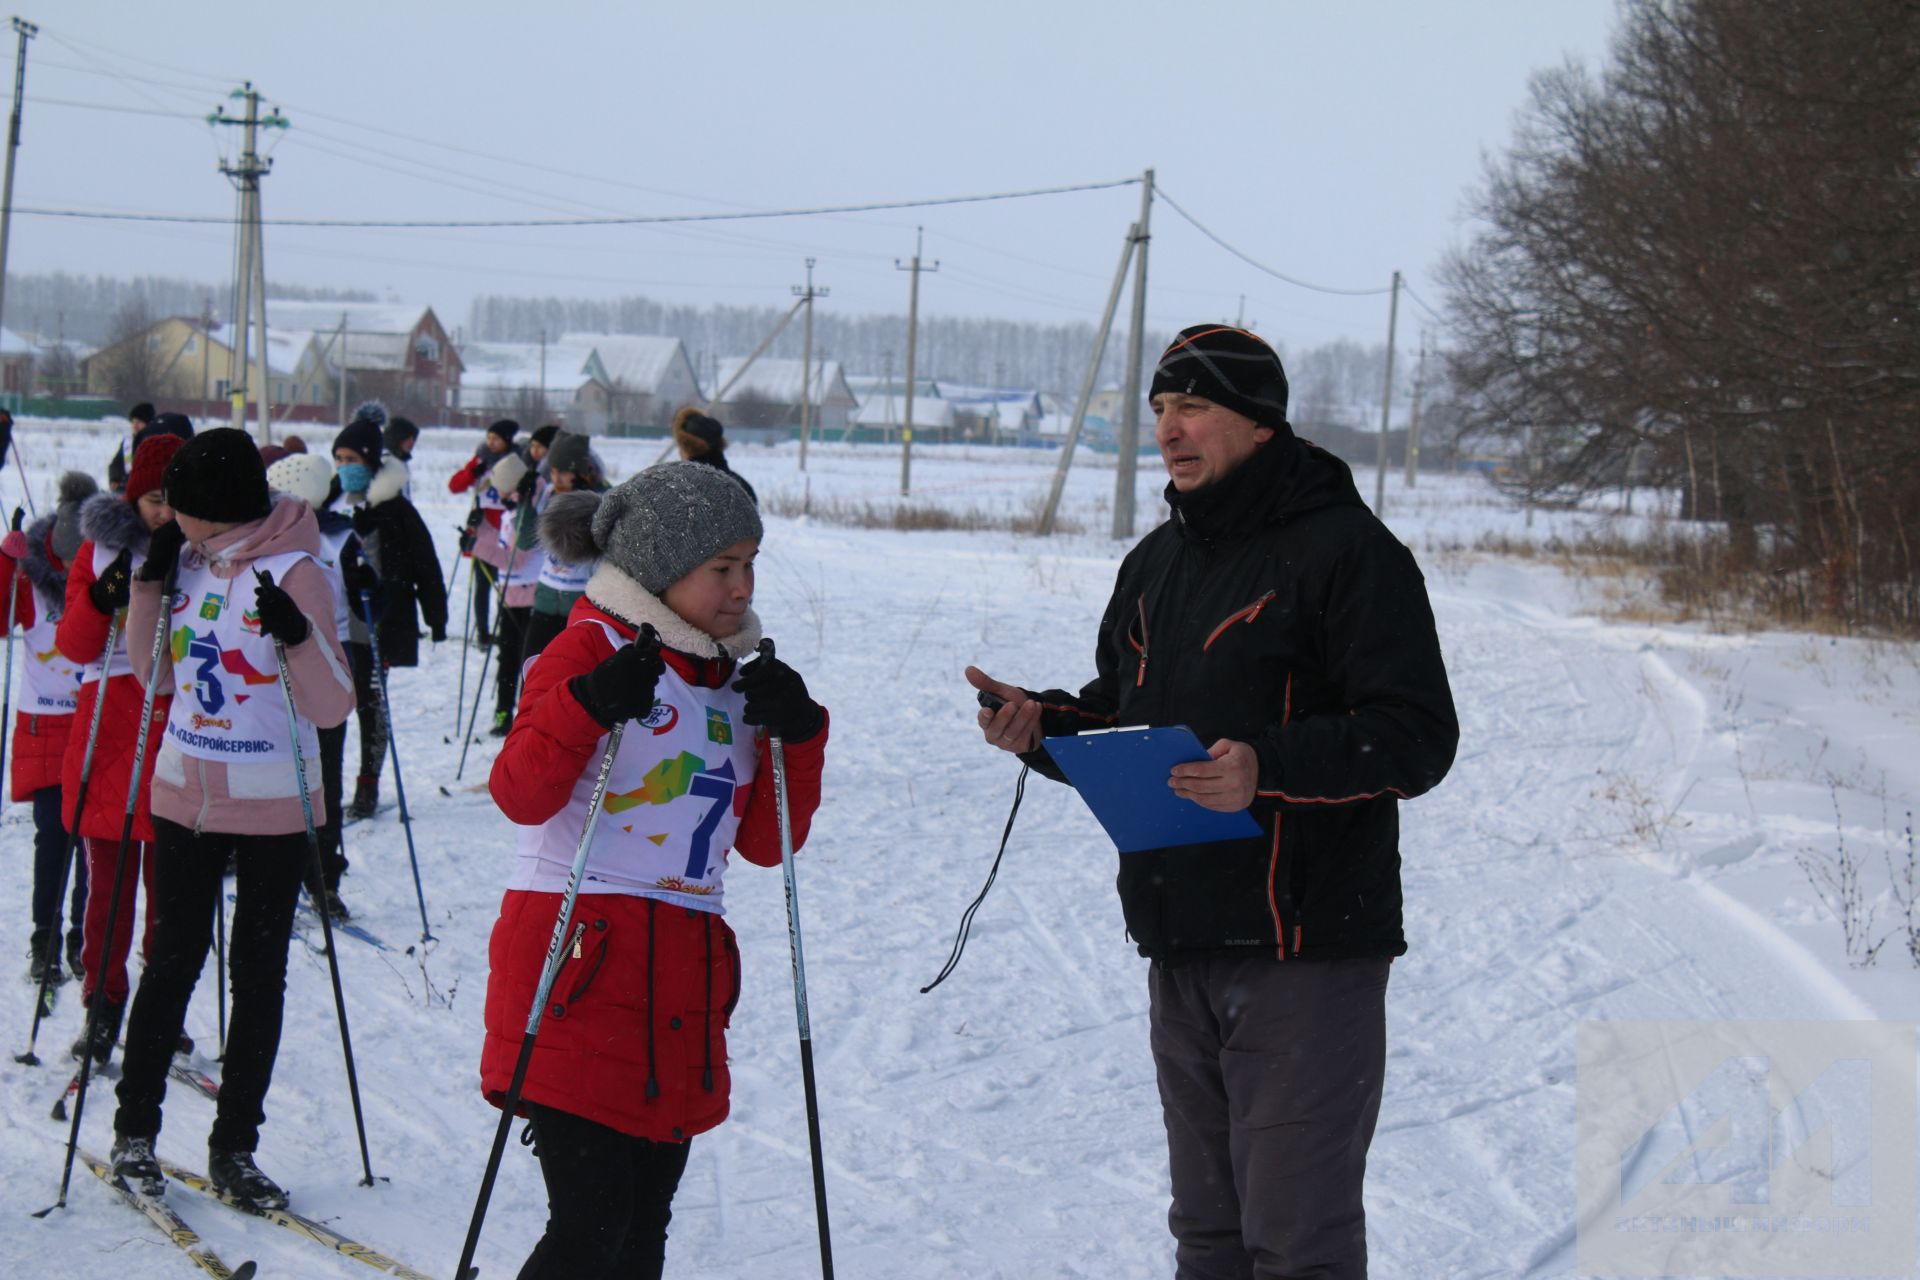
(1007,1124)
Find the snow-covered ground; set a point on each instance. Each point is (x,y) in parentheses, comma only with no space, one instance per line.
(1618,840)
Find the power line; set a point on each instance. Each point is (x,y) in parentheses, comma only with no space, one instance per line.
(610,221)
(1278,275)
(39,101)
(1408,290)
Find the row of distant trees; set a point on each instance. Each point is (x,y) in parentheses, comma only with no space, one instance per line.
(1700,267)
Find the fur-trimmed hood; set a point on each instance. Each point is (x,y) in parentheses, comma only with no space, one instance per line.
(566,527)
(627,600)
(48,576)
(389,482)
(113,524)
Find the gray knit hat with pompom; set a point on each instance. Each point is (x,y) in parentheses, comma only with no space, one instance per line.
(663,523)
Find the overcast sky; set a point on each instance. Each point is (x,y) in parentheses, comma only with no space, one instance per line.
(1332,141)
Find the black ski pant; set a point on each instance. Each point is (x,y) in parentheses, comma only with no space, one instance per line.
(609,1199)
(333,854)
(1270,1075)
(49,867)
(367,712)
(510,638)
(483,579)
(268,871)
(541,630)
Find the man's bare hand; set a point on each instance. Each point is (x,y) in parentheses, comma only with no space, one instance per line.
(1225,783)
(1015,727)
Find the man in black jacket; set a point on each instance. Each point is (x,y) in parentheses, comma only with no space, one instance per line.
(1279,619)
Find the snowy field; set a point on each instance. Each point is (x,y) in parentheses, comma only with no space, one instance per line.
(1620,839)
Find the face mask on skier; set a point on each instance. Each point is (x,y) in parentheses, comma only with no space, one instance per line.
(355,477)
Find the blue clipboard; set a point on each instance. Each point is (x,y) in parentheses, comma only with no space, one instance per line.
(1122,775)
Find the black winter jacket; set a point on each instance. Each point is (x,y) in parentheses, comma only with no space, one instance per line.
(1273,608)
(400,549)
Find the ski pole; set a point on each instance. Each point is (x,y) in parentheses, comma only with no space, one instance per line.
(220,958)
(25,487)
(393,747)
(29,1058)
(499,630)
(466,637)
(319,872)
(164,616)
(776,751)
(548,972)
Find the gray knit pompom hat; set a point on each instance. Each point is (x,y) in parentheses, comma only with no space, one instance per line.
(665,522)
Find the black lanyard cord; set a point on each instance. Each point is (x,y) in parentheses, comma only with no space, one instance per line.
(966,920)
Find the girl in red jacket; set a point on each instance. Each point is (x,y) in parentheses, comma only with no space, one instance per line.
(49,689)
(100,584)
(631,1060)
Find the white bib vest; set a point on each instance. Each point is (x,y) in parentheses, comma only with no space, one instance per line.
(331,545)
(568,578)
(116,663)
(52,682)
(523,563)
(674,801)
(227,703)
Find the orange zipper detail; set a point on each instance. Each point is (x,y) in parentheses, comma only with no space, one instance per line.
(1247,614)
(1140,675)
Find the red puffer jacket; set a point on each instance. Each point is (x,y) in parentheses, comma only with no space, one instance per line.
(82,637)
(633,1035)
(39,741)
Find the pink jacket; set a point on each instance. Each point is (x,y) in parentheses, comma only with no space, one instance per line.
(254,799)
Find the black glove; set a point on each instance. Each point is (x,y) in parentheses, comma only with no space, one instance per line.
(439,633)
(280,617)
(525,490)
(163,551)
(113,588)
(621,688)
(360,579)
(777,698)
(467,539)
(19,519)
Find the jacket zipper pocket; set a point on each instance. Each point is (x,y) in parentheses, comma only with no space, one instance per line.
(1247,614)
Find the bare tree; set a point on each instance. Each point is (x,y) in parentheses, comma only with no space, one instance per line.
(1707,257)
(131,357)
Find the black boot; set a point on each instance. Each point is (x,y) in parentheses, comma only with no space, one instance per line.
(104,1032)
(134,1164)
(43,954)
(235,1176)
(366,798)
(76,949)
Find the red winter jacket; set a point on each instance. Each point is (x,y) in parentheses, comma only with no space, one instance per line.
(633,1036)
(473,473)
(39,741)
(82,637)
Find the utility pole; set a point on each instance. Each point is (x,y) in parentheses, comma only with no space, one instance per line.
(1123,478)
(913,331)
(543,376)
(251,264)
(1413,427)
(1386,406)
(206,349)
(807,293)
(27,31)
(341,339)
(1088,383)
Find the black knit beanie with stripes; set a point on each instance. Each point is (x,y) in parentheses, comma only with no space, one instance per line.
(1228,366)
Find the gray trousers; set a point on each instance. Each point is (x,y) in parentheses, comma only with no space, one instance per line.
(1270,1075)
